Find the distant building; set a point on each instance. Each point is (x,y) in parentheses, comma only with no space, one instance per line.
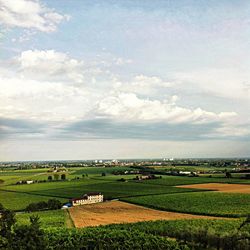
(184,172)
(146,177)
(89,198)
(29,182)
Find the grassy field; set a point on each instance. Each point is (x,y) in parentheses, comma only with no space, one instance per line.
(204,203)
(52,219)
(18,201)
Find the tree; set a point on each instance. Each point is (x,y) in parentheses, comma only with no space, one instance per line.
(42,205)
(7,220)
(14,237)
(54,204)
(122,179)
(63,177)
(1,207)
(228,175)
(50,178)
(103,174)
(29,236)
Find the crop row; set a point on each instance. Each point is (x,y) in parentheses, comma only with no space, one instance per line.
(199,234)
(203,203)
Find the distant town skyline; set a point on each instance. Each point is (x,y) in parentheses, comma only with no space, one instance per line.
(124,79)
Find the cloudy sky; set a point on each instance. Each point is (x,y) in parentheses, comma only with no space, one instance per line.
(89,79)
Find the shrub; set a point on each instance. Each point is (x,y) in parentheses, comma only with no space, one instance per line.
(42,205)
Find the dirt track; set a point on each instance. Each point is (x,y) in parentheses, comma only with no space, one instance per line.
(221,187)
(121,212)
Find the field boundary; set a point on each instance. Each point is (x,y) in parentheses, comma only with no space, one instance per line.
(68,219)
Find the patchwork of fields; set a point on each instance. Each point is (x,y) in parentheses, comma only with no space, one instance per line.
(161,194)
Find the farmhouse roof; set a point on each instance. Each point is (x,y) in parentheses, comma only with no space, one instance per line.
(85,196)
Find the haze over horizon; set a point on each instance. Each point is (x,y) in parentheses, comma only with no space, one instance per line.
(124,79)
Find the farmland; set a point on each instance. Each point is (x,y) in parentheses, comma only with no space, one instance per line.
(221,187)
(187,207)
(198,233)
(18,201)
(204,203)
(121,212)
(161,191)
(67,190)
(48,219)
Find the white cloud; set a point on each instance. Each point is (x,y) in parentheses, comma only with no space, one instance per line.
(42,101)
(227,131)
(149,81)
(29,14)
(229,83)
(127,106)
(121,61)
(50,65)
(142,84)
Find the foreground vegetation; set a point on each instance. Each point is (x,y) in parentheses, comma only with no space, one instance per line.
(31,236)
(198,234)
(188,234)
(104,238)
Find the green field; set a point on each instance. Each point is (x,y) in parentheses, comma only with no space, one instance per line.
(203,203)
(51,219)
(19,201)
(198,234)
(171,227)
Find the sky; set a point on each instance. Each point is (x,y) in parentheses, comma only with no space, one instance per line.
(89,79)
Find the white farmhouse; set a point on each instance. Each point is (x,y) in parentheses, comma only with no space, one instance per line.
(89,198)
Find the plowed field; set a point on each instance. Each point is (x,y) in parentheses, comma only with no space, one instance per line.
(121,212)
(221,187)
